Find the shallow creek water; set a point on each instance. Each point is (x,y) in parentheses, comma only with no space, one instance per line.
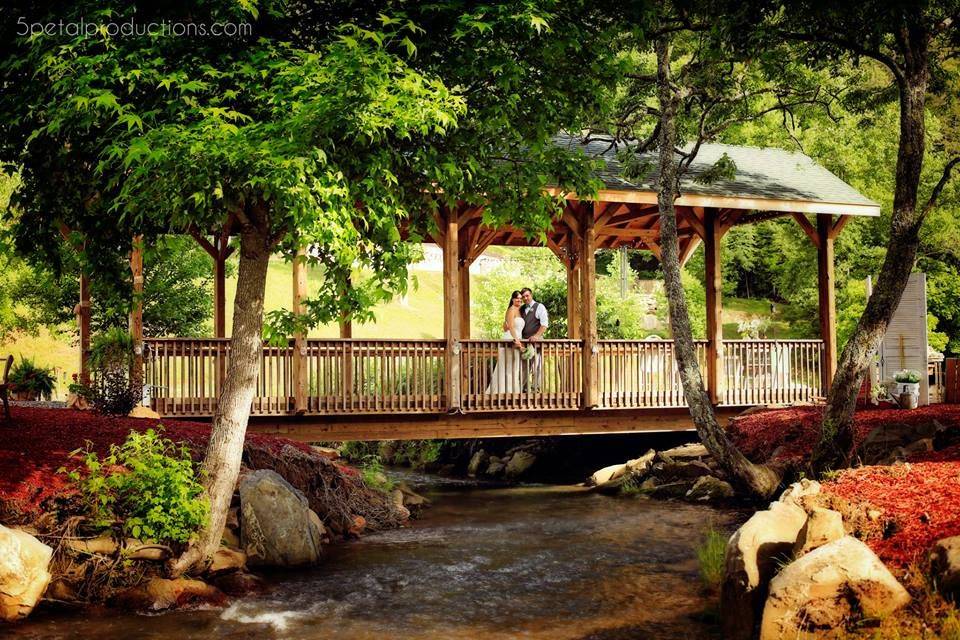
(537,561)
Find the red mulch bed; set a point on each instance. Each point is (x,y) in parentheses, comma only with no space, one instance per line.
(791,433)
(920,500)
(38,442)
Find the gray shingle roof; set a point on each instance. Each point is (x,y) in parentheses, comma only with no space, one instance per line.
(761,173)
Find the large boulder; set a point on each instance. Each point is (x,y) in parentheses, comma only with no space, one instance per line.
(478,463)
(519,463)
(798,493)
(823,526)
(276,526)
(607,474)
(945,566)
(753,553)
(674,471)
(226,560)
(709,488)
(686,452)
(832,585)
(24,573)
(882,441)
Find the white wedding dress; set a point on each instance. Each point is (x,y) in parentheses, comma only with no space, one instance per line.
(506,375)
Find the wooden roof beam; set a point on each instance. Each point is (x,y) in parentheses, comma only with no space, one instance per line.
(694,217)
(808,228)
(689,250)
(838,226)
(728,219)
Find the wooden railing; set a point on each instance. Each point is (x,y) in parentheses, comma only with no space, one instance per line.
(772,371)
(496,377)
(641,373)
(185,374)
(342,376)
(375,376)
(407,376)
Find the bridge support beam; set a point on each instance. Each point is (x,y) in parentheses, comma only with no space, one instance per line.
(588,304)
(713,235)
(452,305)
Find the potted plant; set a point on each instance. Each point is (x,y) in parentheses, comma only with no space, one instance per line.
(29,381)
(908,381)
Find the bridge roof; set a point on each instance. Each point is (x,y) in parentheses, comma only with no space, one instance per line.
(766,179)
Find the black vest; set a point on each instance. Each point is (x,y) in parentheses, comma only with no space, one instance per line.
(531,324)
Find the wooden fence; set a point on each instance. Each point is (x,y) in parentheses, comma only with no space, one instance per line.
(356,376)
(951,392)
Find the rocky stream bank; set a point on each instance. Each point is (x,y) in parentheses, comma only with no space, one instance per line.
(291,500)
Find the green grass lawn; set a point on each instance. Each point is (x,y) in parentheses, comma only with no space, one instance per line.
(736,310)
(420,315)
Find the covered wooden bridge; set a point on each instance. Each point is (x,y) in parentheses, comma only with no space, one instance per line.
(381,388)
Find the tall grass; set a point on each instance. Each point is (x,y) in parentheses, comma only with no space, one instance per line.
(710,555)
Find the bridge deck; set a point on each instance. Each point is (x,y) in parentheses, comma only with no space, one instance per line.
(487,425)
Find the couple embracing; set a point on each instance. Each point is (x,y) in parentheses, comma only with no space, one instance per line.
(518,366)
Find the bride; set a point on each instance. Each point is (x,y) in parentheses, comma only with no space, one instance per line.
(506,375)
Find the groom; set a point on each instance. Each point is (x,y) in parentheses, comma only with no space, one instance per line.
(535,323)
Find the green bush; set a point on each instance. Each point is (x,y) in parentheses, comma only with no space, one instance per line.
(710,555)
(357,450)
(29,377)
(371,471)
(148,486)
(112,391)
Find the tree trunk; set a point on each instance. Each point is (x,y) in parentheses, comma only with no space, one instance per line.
(221,464)
(758,480)
(836,447)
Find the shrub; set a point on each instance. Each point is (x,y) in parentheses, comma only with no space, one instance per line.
(371,471)
(28,377)
(111,356)
(114,395)
(357,450)
(148,486)
(710,555)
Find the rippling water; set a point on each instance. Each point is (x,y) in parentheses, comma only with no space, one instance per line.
(484,562)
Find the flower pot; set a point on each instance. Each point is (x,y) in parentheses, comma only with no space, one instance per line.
(25,395)
(907,387)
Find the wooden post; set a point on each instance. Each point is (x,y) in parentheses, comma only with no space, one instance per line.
(464,275)
(573,298)
(299,362)
(451,311)
(136,311)
(714,289)
(827,297)
(346,367)
(219,297)
(588,305)
(83,325)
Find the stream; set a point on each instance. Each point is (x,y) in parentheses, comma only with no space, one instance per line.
(484,561)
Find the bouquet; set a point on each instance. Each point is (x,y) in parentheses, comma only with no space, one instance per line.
(528,353)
